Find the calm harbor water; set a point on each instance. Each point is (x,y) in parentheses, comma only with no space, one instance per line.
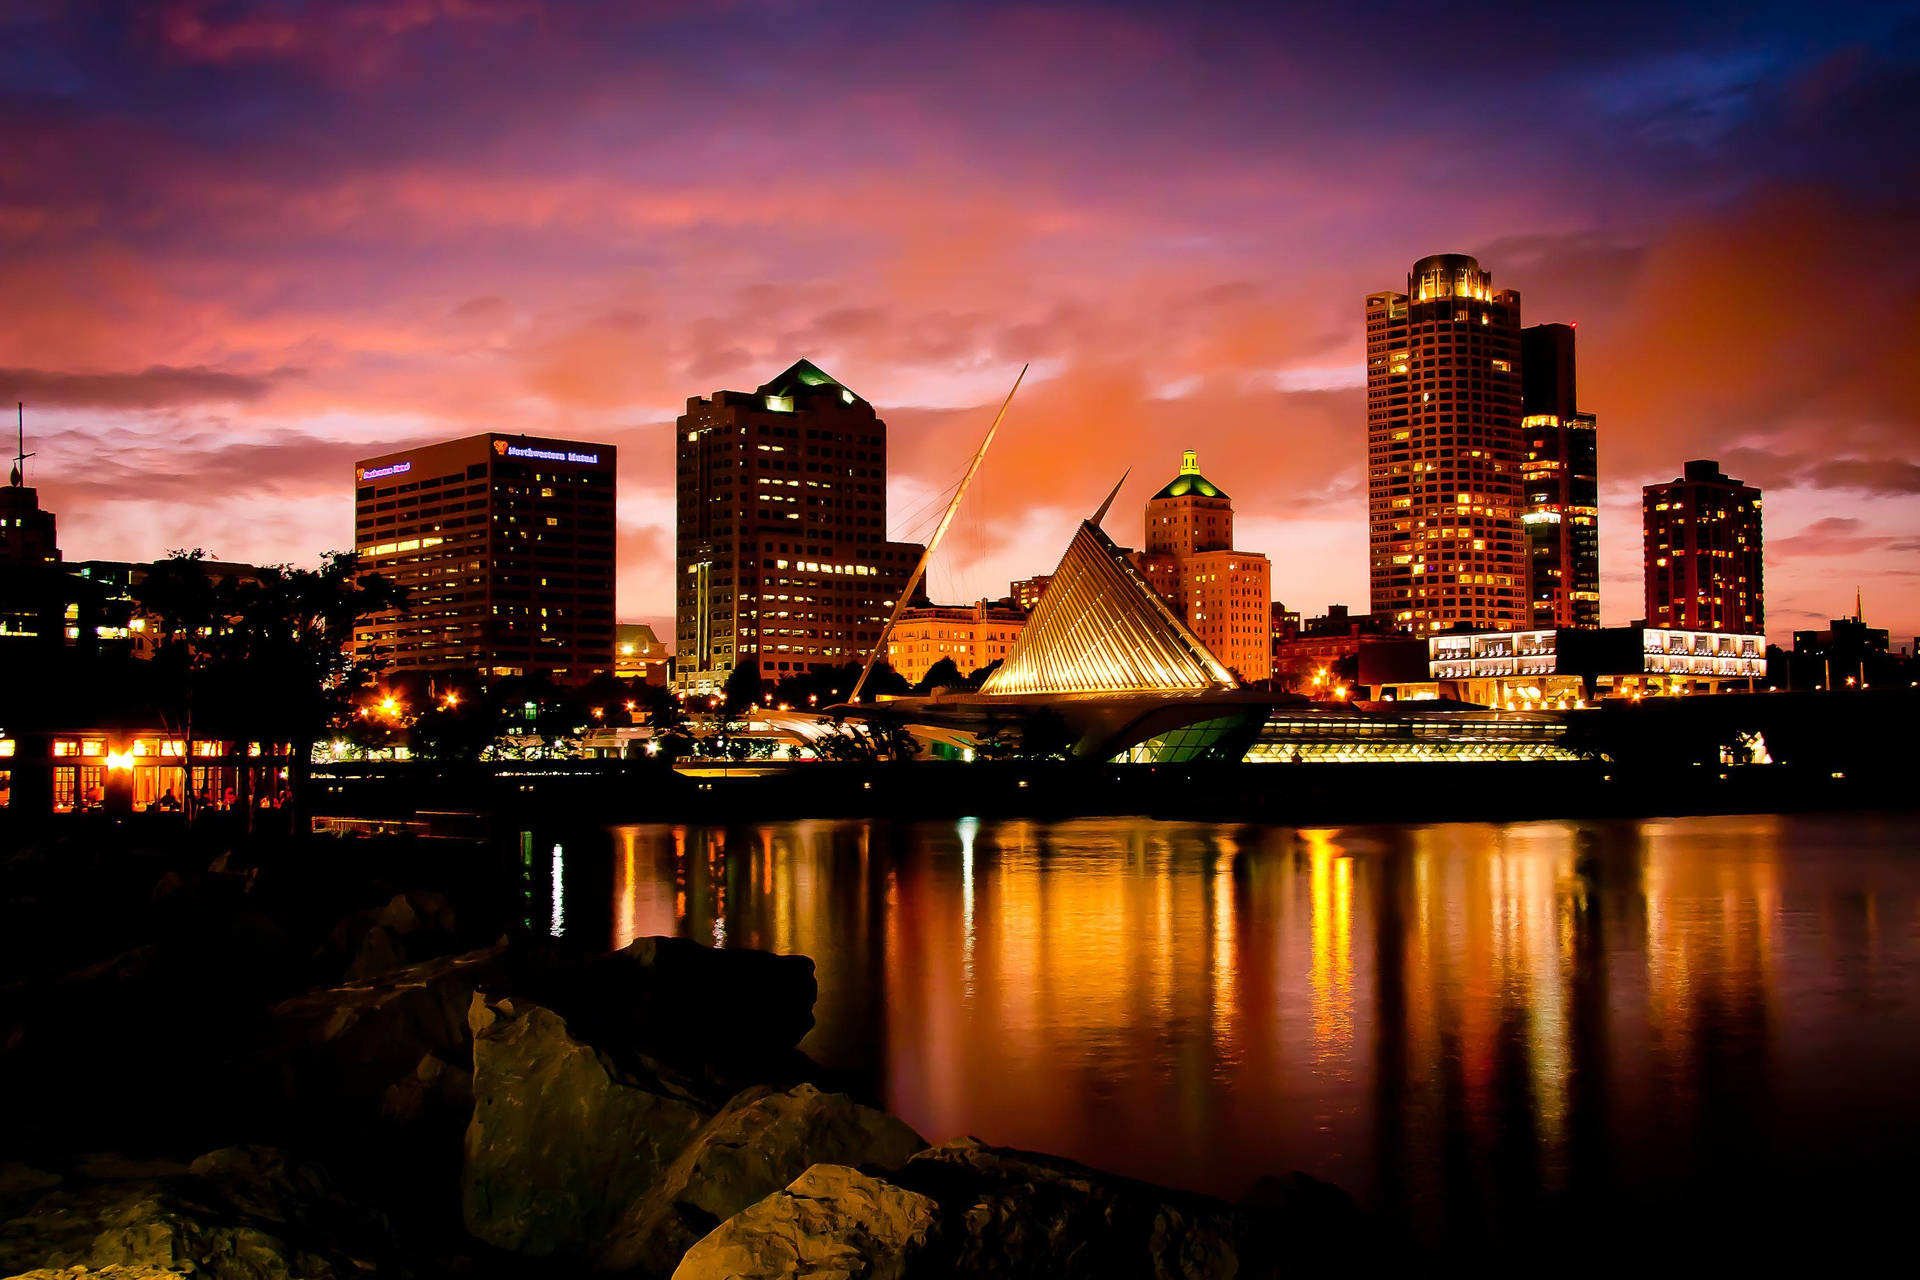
(1467,1026)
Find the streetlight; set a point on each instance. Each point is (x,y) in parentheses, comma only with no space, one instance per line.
(452,699)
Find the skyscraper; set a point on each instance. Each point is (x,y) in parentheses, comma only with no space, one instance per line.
(1443,451)
(781,554)
(1225,596)
(1703,552)
(505,546)
(1560,474)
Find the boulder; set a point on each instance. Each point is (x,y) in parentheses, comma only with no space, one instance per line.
(1014,1213)
(346,1047)
(964,1208)
(245,1213)
(760,1142)
(564,1138)
(408,929)
(831,1221)
(734,1014)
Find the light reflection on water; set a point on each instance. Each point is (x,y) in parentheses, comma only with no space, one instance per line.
(1458,1023)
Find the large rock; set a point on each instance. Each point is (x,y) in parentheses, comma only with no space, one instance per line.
(761,1141)
(564,1139)
(408,929)
(734,1014)
(244,1213)
(347,1047)
(831,1223)
(1014,1213)
(968,1209)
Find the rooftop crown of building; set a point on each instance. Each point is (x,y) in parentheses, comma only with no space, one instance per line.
(1189,483)
(1449,275)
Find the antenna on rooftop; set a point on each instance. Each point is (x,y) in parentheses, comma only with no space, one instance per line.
(20,454)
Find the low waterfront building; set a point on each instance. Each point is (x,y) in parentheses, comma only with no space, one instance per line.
(974,636)
(1572,666)
(1847,654)
(1322,653)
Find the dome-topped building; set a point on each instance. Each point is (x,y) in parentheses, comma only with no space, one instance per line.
(1224,595)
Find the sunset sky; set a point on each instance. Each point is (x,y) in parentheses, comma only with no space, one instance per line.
(243,242)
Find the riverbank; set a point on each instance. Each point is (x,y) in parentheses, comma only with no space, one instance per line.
(321,1058)
(638,791)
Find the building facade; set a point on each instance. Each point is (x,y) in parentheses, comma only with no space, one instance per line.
(1224,595)
(1703,552)
(1568,667)
(974,636)
(1559,472)
(1445,542)
(638,654)
(1026,593)
(505,545)
(1321,654)
(781,555)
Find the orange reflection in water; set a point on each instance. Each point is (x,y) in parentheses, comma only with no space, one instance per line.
(1450,1020)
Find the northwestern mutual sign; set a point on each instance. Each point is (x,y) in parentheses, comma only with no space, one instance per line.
(551,455)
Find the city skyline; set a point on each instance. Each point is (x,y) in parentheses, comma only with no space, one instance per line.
(234,294)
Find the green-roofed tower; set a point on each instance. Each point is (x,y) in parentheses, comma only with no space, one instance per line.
(1190,481)
(781,554)
(1224,595)
(1190,515)
(803,376)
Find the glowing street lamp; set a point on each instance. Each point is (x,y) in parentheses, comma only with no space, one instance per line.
(120,760)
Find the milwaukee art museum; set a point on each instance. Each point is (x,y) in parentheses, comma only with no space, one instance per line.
(1107,670)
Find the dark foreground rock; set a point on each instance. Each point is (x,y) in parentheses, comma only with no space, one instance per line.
(964,1208)
(407,929)
(732,1016)
(240,1213)
(564,1138)
(831,1221)
(761,1141)
(347,1047)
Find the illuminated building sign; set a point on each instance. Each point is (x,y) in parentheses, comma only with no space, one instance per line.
(381,473)
(545,455)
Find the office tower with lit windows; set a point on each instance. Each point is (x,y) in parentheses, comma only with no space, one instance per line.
(505,545)
(781,555)
(1224,596)
(1444,449)
(1703,552)
(1559,471)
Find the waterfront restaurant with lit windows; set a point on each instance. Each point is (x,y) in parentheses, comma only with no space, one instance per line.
(132,771)
(1571,667)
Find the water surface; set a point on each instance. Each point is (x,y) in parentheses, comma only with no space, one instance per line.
(1467,1026)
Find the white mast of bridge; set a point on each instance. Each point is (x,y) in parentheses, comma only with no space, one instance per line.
(939,532)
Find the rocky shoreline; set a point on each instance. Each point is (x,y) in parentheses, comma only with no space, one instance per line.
(196,1103)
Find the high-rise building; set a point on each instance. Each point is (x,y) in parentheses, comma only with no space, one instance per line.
(1703,557)
(1559,472)
(505,545)
(1443,450)
(1225,596)
(781,553)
